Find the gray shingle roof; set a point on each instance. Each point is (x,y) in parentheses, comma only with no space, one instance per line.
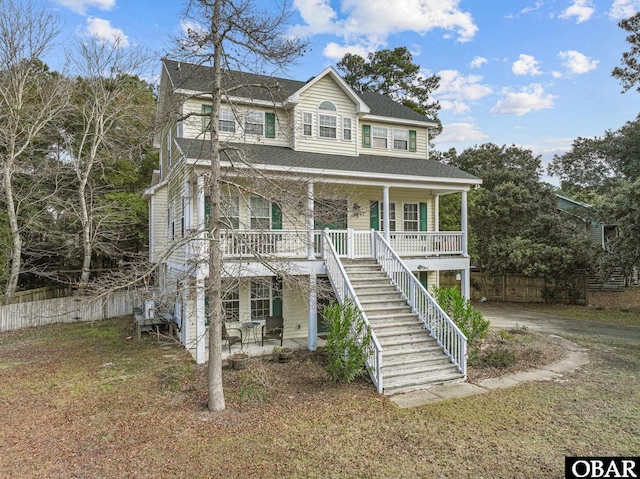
(286,157)
(198,78)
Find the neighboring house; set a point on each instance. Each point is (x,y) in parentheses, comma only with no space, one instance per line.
(369,151)
(600,233)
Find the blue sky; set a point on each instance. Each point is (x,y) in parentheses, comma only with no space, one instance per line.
(535,73)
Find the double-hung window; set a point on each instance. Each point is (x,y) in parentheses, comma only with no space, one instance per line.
(411,218)
(260,298)
(230,211)
(231,300)
(254,123)
(392,216)
(327,126)
(379,137)
(227,122)
(307,123)
(400,139)
(327,123)
(260,216)
(346,129)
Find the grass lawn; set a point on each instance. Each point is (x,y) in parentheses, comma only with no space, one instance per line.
(617,307)
(80,401)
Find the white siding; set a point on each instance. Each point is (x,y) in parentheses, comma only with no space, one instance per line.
(193,126)
(326,89)
(421,141)
(158,219)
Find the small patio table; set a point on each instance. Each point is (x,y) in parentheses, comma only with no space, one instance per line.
(252,328)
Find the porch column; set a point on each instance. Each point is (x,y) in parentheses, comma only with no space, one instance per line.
(385,208)
(465,274)
(201,274)
(463,225)
(311,254)
(436,213)
(312,323)
(465,283)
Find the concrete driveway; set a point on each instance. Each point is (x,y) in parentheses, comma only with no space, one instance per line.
(506,317)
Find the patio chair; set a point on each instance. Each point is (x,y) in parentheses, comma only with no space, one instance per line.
(273,329)
(231,338)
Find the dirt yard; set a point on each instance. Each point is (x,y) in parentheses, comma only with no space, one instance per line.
(82,401)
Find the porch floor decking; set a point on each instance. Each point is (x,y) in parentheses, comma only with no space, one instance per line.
(256,350)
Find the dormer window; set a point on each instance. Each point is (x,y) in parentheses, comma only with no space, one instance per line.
(327,124)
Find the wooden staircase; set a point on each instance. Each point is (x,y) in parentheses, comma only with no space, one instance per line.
(411,358)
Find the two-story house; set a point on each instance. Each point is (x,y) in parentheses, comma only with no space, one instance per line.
(323,188)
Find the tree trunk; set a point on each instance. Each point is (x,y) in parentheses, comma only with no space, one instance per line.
(214,373)
(86,234)
(16,252)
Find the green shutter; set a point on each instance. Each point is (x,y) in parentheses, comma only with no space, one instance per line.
(206,118)
(413,140)
(422,277)
(276,296)
(366,136)
(423,216)
(270,125)
(207,211)
(276,216)
(374,215)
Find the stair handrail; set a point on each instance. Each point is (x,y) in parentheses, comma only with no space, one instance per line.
(441,327)
(345,292)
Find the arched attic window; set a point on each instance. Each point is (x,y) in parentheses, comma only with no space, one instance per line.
(327,123)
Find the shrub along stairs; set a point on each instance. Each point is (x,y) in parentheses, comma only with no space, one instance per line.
(411,358)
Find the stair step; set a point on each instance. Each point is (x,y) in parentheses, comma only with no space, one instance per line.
(381,312)
(397,386)
(381,324)
(407,341)
(376,302)
(421,349)
(401,331)
(416,370)
(386,317)
(410,360)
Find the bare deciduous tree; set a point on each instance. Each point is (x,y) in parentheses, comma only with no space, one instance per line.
(31,100)
(111,117)
(224,34)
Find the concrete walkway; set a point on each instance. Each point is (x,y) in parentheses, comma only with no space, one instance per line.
(506,317)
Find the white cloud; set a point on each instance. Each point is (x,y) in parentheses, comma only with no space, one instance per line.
(370,22)
(81,6)
(336,52)
(528,99)
(459,132)
(624,9)
(583,10)
(477,62)
(456,89)
(526,65)
(556,74)
(103,30)
(525,10)
(576,62)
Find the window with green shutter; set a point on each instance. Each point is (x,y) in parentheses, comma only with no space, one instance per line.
(206,117)
(366,136)
(270,125)
(413,140)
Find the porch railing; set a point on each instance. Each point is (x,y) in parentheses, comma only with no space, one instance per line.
(435,320)
(345,292)
(348,243)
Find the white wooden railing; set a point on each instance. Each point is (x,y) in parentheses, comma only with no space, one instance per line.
(435,320)
(348,243)
(345,292)
(426,243)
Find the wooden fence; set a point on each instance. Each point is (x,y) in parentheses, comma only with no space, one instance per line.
(39,294)
(522,289)
(67,310)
